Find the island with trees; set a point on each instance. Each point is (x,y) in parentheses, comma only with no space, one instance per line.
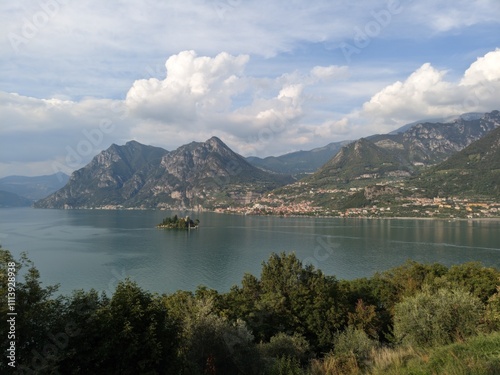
(175,223)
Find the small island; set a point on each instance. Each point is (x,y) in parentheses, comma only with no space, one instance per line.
(175,223)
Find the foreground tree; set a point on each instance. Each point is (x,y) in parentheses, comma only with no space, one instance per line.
(38,320)
(290,298)
(131,333)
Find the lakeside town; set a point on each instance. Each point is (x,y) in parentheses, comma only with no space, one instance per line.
(438,207)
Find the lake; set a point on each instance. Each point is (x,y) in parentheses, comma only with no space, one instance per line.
(83,249)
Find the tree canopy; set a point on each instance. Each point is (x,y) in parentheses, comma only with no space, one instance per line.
(293,319)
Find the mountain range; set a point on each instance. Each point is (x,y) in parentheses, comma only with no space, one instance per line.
(473,171)
(208,175)
(21,191)
(402,154)
(298,163)
(196,175)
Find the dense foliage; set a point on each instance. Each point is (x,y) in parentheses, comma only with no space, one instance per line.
(293,319)
(176,223)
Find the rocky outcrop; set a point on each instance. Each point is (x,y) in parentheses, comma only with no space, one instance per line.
(400,155)
(197,175)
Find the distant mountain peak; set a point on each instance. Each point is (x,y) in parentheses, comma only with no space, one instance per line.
(136,175)
(133,143)
(469,116)
(384,157)
(215,140)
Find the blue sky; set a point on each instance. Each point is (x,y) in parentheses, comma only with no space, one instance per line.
(266,77)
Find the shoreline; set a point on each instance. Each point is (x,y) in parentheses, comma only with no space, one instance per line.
(312,216)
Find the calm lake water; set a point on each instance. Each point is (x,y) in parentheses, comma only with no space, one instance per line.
(83,249)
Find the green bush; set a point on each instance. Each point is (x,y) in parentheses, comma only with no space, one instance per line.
(354,341)
(438,318)
(211,343)
(285,366)
(492,313)
(282,345)
(474,277)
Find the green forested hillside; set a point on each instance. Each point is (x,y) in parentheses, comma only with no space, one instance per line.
(299,162)
(360,160)
(8,199)
(472,171)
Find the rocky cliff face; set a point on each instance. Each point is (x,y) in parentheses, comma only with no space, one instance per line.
(111,178)
(475,170)
(197,175)
(429,143)
(401,155)
(361,160)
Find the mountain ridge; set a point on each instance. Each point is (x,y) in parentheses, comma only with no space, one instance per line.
(32,188)
(473,170)
(401,155)
(298,162)
(192,176)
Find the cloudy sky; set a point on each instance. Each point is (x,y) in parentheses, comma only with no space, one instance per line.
(267,77)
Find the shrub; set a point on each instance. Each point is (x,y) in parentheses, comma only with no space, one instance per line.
(345,364)
(492,313)
(443,317)
(285,366)
(211,343)
(354,341)
(283,345)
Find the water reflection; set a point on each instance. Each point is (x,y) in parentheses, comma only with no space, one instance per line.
(96,249)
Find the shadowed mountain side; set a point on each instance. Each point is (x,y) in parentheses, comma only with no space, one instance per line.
(299,162)
(33,188)
(196,175)
(472,171)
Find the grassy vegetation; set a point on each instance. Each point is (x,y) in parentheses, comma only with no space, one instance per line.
(477,355)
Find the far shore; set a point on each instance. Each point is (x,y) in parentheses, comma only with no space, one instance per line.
(280,216)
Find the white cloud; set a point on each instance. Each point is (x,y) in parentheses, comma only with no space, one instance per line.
(443,16)
(192,84)
(72,46)
(39,133)
(200,95)
(484,69)
(329,72)
(426,94)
